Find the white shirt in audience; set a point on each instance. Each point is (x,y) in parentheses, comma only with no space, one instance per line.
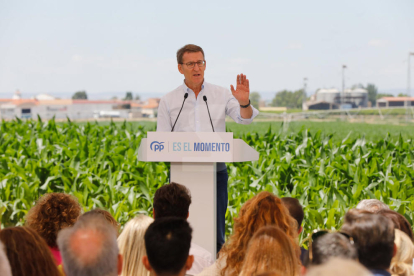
(215,269)
(202,259)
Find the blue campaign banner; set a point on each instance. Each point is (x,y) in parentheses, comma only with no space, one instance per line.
(190,146)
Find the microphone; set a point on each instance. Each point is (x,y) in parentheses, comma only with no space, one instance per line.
(185,97)
(205,99)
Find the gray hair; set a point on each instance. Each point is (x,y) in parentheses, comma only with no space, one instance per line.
(332,245)
(5,269)
(372,205)
(89,248)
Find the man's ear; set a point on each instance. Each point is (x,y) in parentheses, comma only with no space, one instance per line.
(189,262)
(153,213)
(180,68)
(300,230)
(146,263)
(120,263)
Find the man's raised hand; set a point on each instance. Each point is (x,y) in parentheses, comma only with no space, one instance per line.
(242,90)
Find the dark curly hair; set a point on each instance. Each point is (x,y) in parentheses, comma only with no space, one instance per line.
(172,200)
(52,213)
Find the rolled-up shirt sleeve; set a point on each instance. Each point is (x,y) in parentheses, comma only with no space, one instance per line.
(163,117)
(233,110)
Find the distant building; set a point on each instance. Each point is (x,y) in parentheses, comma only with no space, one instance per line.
(20,108)
(395,101)
(47,107)
(149,108)
(333,98)
(17,95)
(44,97)
(322,105)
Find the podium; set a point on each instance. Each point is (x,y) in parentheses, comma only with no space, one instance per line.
(193,157)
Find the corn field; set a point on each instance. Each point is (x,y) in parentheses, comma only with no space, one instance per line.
(98,164)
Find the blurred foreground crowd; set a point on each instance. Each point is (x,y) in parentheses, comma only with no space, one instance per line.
(59,240)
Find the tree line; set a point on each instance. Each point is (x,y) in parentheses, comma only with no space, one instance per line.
(285,98)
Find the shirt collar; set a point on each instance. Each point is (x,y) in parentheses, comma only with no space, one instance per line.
(187,89)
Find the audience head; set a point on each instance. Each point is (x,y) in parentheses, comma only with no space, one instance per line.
(339,267)
(400,222)
(27,252)
(52,213)
(402,262)
(372,205)
(295,210)
(106,215)
(270,249)
(5,269)
(172,200)
(373,235)
(167,242)
(332,245)
(132,245)
(352,214)
(90,248)
(263,209)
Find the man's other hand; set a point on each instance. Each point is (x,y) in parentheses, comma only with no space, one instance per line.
(242,90)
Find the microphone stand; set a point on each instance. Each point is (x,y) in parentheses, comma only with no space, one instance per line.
(185,97)
(205,99)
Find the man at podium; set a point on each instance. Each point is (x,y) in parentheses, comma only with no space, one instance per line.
(198,106)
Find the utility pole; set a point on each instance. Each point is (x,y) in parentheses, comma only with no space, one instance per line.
(408,101)
(343,86)
(304,92)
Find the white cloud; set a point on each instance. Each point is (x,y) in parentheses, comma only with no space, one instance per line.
(377,43)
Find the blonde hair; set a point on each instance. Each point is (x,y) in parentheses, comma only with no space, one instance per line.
(132,246)
(270,249)
(402,262)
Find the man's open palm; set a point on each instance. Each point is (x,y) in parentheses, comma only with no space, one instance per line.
(242,90)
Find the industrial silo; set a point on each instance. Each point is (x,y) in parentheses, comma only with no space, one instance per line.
(328,95)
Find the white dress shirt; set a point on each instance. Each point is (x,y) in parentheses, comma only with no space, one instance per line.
(194,116)
(202,259)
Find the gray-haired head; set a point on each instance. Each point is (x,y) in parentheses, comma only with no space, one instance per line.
(372,205)
(5,269)
(89,248)
(333,245)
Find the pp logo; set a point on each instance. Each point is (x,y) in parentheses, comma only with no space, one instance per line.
(157,146)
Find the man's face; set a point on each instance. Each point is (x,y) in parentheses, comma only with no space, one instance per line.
(193,76)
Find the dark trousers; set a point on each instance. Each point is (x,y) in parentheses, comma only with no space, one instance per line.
(222,198)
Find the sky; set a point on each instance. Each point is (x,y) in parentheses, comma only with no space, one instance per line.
(110,47)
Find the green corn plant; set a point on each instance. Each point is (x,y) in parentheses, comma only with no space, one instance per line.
(98,164)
